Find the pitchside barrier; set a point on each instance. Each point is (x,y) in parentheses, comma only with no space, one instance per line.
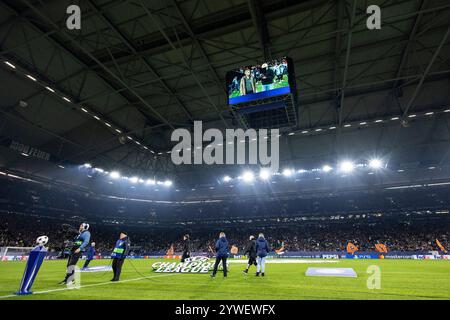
(415,255)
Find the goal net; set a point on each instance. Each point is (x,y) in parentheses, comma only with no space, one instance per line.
(14,253)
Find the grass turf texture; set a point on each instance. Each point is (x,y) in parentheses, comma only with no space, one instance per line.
(400,279)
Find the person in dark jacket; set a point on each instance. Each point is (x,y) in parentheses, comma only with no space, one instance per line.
(222,249)
(262,249)
(267,76)
(78,245)
(250,251)
(119,254)
(89,255)
(186,248)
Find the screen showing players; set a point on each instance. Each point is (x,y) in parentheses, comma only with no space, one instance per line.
(260,81)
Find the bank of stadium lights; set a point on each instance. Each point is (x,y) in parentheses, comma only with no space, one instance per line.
(346,166)
(366,123)
(375,164)
(134,179)
(9,64)
(68,100)
(114,175)
(31,77)
(248,176)
(264,174)
(167,183)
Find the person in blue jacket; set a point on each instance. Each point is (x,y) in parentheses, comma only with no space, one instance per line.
(79,244)
(89,255)
(120,252)
(262,249)
(222,249)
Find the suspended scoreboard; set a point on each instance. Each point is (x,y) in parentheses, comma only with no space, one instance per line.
(264,95)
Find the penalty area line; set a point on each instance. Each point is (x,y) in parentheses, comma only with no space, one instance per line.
(89,285)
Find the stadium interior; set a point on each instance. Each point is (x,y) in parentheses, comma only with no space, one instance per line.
(86,118)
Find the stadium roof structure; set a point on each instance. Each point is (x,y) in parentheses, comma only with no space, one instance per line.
(111,93)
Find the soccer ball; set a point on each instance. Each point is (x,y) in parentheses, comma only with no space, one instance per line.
(42,241)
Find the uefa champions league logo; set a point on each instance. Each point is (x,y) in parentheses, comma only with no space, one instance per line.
(191,265)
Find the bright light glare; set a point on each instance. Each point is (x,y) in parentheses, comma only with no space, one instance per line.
(87,165)
(134,179)
(227,178)
(167,183)
(114,175)
(375,164)
(264,174)
(151,182)
(10,64)
(248,176)
(287,172)
(347,166)
(327,168)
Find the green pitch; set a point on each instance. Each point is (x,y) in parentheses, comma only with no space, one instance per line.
(400,279)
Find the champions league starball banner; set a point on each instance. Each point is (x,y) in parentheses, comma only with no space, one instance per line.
(34,263)
(191,265)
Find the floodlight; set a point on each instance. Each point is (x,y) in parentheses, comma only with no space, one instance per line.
(167,183)
(347,166)
(31,77)
(114,175)
(375,163)
(134,179)
(264,174)
(227,178)
(248,176)
(150,181)
(326,168)
(10,64)
(287,172)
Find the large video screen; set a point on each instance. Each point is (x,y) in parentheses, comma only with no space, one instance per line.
(268,79)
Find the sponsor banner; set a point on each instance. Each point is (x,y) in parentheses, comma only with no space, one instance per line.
(191,265)
(26,149)
(400,257)
(330,256)
(302,255)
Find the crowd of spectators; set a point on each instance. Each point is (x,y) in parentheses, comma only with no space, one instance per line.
(405,220)
(414,234)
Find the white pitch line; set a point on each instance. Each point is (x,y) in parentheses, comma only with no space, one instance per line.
(90,285)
